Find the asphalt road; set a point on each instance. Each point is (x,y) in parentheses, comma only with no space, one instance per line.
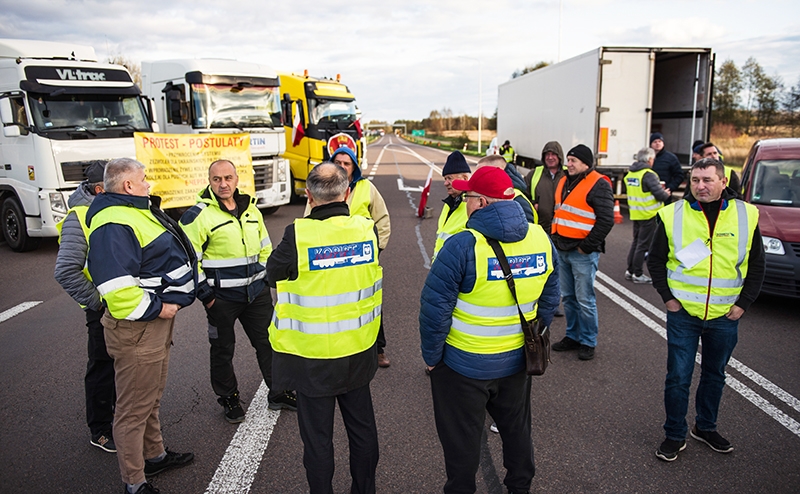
(596,424)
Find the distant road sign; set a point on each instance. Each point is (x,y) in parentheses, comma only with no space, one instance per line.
(419,133)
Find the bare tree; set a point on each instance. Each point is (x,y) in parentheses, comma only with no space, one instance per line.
(752,76)
(134,68)
(529,68)
(727,92)
(791,107)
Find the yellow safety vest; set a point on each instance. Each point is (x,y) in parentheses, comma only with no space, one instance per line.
(486,320)
(519,193)
(508,155)
(641,205)
(450,226)
(333,308)
(360,199)
(708,289)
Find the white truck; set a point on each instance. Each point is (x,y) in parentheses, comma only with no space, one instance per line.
(610,99)
(199,96)
(60,110)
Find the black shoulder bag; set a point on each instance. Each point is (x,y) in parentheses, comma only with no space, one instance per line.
(537,338)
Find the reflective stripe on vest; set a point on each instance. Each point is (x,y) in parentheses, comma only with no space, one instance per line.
(641,205)
(574,218)
(708,289)
(333,308)
(485,320)
(519,193)
(537,175)
(450,226)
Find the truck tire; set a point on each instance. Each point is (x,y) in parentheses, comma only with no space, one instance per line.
(270,210)
(14,227)
(294,198)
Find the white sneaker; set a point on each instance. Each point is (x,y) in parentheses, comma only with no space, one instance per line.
(493,428)
(628,275)
(642,280)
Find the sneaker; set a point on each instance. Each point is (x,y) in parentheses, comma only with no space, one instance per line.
(104,441)
(586,352)
(494,428)
(234,413)
(383,360)
(566,344)
(145,488)
(713,439)
(286,400)
(628,275)
(668,451)
(172,460)
(642,280)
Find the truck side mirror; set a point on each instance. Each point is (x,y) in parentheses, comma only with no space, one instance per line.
(174,100)
(287,98)
(10,127)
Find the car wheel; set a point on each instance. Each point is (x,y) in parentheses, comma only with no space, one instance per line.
(14,227)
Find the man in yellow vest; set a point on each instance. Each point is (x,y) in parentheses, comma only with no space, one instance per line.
(72,275)
(323,331)
(144,268)
(584,216)
(365,200)
(453,218)
(707,263)
(517,182)
(645,197)
(472,340)
(507,152)
(232,246)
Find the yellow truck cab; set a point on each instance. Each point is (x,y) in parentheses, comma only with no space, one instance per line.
(320,115)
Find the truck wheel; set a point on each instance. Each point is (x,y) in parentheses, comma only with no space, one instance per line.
(14,227)
(269,211)
(293,197)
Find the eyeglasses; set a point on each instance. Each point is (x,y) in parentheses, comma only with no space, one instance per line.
(465,195)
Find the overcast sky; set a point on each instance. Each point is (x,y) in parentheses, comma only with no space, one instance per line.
(403,59)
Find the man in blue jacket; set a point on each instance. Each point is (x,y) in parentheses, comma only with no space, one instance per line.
(472,340)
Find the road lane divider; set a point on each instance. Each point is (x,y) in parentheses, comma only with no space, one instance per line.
(765,406)
(17,310)
(241,460)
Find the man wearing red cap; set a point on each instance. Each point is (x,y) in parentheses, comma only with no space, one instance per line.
(472,341)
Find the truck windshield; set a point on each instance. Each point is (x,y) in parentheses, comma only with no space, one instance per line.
(220,106)
(88,112)
(777,183)
(328,110)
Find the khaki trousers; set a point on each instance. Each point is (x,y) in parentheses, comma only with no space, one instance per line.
(141,358)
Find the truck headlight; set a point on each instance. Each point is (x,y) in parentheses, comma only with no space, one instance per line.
(281,170)
(773,246)
(57,202)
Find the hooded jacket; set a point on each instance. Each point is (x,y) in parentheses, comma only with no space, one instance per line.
(454,273)
(73,251)
(545,188)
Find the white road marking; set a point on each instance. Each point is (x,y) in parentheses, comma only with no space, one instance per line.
(735,384)
(754,376)
(240,463)
(16,310)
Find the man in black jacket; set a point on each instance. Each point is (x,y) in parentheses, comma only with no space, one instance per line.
(666,164)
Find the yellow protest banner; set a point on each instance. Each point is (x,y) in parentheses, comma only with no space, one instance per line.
(177,164)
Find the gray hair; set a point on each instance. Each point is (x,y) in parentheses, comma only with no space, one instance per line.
(327,182)
(645,154)
(117,170)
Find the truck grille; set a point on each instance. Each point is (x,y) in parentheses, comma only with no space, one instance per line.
(74,171)
(263,171)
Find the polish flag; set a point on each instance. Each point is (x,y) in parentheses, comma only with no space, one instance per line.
(297,127)
(423,200)
(359,132)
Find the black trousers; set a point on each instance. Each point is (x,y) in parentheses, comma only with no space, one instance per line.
(460,405)
(381,341)
(99,380)
(255,319)
(643,231)
(315,419)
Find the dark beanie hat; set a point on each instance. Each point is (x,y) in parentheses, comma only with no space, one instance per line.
(94,172)
(456,163)
(583,153)
(656,135)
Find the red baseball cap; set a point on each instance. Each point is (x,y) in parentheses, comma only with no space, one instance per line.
(487,181)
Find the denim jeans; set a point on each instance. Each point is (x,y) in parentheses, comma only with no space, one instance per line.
(719,337)
(576,277)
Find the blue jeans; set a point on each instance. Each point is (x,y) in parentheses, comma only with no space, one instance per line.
(719,337)
(576,277)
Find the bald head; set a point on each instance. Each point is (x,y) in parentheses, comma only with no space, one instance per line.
(494,160)
(223,179)
(326,183)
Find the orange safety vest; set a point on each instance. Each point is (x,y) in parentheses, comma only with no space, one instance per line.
(575,218)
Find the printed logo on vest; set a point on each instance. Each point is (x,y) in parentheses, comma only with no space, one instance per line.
(342,255)
(632,182)
(525,266)
(724,235)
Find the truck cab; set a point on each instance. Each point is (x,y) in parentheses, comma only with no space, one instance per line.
(60,110)
(326,112)
(214,96)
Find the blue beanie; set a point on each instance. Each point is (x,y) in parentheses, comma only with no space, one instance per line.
(656,135)
(456,163)
(348,151)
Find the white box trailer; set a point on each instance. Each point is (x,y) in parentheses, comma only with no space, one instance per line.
(610,99)
(60,110)
(200,96)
